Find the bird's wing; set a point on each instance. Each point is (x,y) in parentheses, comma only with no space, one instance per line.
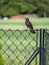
(29,24)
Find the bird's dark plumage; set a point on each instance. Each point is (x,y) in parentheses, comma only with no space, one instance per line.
(29,25)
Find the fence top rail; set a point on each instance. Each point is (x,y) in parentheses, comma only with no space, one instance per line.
(22,30)
(26,29)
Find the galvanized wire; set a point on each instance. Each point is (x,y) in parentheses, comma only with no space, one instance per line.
(46,40)
(18,46)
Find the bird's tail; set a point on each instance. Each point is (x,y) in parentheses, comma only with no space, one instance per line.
(32,31)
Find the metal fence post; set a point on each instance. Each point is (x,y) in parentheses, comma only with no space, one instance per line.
(42,49)
(36,60)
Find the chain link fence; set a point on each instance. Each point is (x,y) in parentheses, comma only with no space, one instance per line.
(46,42)
(18,46)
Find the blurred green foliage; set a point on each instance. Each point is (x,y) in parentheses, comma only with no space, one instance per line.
(14,7)
(1,58)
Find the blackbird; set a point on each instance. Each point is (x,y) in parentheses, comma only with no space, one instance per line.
(29,25)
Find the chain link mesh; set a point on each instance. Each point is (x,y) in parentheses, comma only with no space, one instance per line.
(18,46)
(46,40)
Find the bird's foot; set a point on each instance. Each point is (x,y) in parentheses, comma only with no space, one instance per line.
(33,32)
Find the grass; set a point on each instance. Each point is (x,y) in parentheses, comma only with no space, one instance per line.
(20,23)
(13,41)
